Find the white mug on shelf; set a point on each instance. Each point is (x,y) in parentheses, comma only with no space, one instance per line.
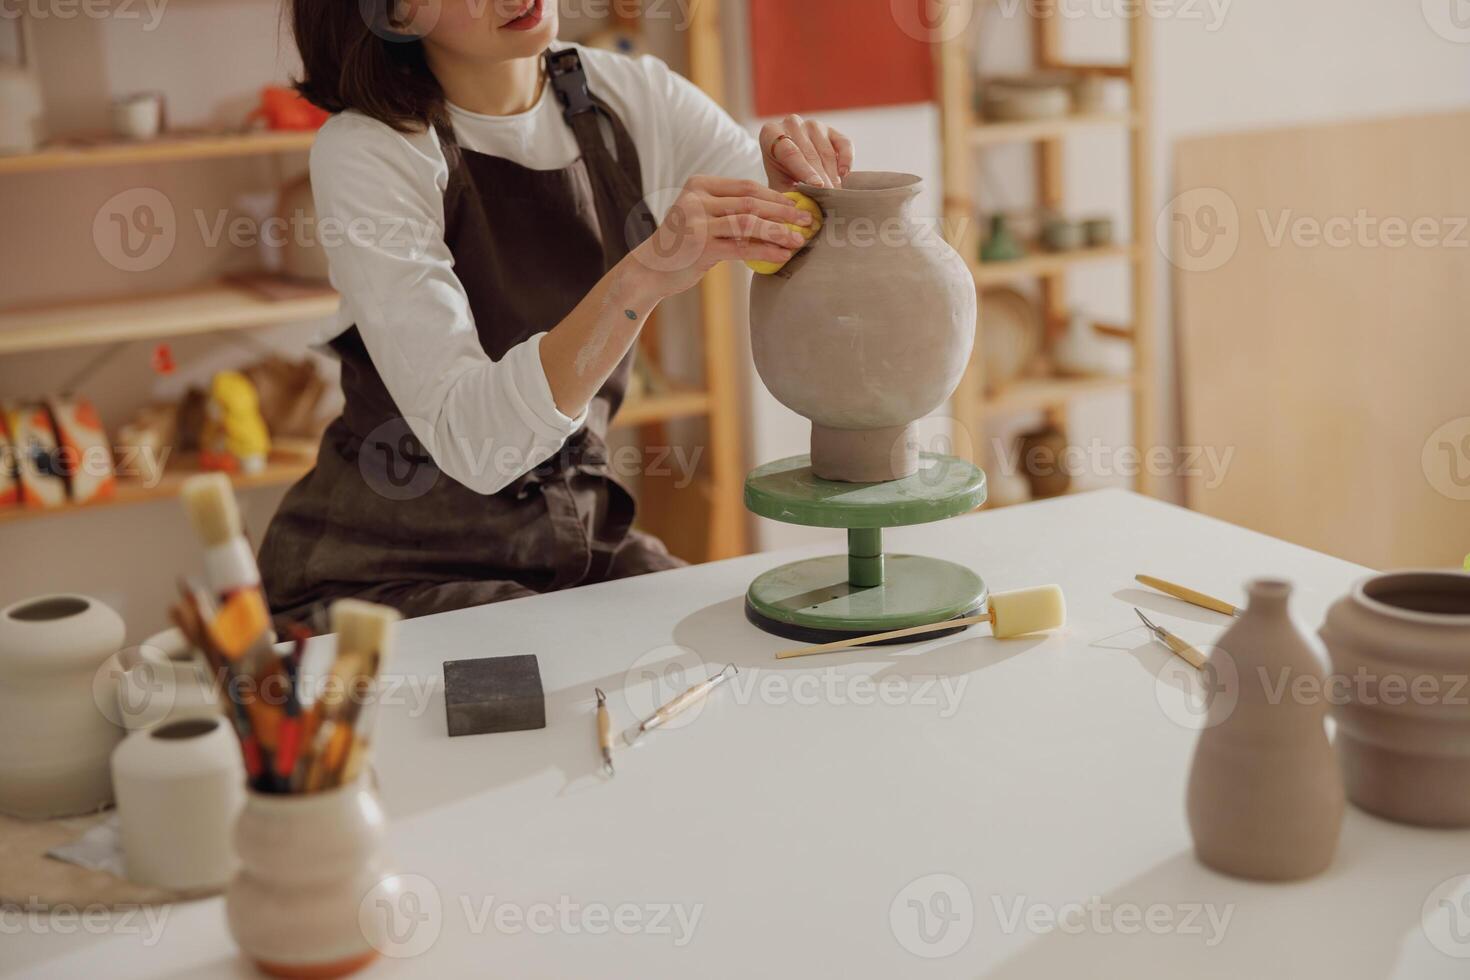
(138,116)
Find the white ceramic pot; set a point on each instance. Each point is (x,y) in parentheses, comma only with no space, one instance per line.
(310,874)
(56,740)
(180,787)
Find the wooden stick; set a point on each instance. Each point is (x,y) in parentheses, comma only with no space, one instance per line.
(1189,595)
(857,641)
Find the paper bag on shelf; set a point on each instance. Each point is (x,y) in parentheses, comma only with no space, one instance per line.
(42,483)
(86,457)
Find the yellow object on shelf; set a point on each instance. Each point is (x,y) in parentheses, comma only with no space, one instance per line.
(803,203)
(235,437)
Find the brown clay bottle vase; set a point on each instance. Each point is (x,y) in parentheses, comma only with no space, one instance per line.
(1265,793)
(868,329)
(1400,648)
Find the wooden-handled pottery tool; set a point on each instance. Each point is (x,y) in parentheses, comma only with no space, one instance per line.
(1189,595)
(1174,642)
(604,733)
(680,704)
(1008,613)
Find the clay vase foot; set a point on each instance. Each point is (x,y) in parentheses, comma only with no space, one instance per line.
(865,455)
(317,971)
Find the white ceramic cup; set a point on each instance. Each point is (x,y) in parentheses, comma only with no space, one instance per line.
(138,116)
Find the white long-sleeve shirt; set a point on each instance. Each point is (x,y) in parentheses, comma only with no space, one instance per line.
(380,206)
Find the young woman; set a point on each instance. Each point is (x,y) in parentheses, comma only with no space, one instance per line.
(496,261)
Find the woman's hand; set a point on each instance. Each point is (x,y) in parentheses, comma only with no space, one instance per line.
(803,151)
(714,220)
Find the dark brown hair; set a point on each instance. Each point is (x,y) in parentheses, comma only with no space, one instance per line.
(353,58)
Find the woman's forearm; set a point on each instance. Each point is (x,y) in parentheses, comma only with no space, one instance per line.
(580,353)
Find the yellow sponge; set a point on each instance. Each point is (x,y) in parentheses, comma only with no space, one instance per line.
(803,203)
(1027,611)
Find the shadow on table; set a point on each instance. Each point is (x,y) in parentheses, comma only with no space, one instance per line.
(720,634)
(409,737)
(1360,920)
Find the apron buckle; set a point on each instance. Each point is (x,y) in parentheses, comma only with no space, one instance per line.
(569,82)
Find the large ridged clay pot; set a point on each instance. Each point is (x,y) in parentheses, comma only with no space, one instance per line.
(1265,794)
(1400,648)
(866,330)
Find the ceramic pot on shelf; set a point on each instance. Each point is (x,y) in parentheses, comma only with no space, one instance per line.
(867,330)
(1265,795)
(1400,649)
(57,706)
(305,901)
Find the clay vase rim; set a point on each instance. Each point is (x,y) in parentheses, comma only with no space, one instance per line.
(85,605)
(883,184)
(1383,608)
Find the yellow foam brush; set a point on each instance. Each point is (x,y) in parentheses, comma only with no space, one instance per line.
(803,203)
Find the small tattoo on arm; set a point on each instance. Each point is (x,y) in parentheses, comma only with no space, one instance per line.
(630,314)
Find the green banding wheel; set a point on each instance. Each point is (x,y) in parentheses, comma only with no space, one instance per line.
(788,491)
(812,600)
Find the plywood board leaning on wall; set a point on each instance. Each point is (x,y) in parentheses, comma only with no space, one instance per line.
(1322,283)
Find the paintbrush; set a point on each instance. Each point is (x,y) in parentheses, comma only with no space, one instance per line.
(1189,595)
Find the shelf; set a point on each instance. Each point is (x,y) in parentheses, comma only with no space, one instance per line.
(205,309)
(184,146)
(1040,263)
(992,133)
(1034,394)
(661,408)
(282,469)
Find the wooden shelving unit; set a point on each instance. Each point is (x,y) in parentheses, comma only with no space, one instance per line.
(282,468)
(204,309)
(164,149)
(224,305)
(963,136)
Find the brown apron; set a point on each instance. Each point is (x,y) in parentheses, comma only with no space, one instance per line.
(376,519)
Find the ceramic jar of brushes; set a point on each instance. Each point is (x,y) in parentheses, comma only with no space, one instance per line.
(1400,648)
(180,786)
(307,862)
(1265,795)
(868,329)
(57,728)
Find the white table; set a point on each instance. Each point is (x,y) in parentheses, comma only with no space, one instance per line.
(990,784)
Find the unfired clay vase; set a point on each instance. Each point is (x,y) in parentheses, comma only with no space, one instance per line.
(57,732)
(1400,648)
(303,903)
(867,330)
(1265,795)
(179,788)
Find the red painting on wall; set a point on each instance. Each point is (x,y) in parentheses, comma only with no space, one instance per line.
(817,55)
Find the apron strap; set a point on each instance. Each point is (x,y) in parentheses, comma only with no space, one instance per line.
(617,180)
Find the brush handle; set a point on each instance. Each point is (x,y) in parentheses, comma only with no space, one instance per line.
(1189,595)
(857,641)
